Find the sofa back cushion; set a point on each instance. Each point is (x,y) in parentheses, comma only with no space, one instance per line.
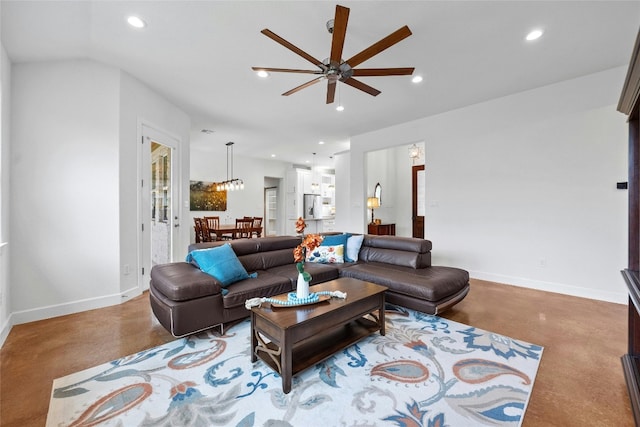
(410,244)
(258,254)
(402,251)
(276,258)
(267,244)
(395,257)
(252,262)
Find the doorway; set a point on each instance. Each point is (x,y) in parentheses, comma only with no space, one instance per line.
(270,211)
(417,200)
(159,197)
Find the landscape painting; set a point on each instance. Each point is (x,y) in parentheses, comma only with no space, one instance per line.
(204,197)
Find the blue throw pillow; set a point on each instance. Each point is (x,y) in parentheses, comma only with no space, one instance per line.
(343,239)
(220,262)
(353,248)
(335,240)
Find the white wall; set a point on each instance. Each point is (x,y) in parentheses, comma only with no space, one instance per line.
(138,105)
(210,166)
(342,162)
(64,186)
(5,97)
(74,184)
(522,189)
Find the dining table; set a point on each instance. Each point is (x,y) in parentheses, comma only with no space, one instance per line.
(231,231)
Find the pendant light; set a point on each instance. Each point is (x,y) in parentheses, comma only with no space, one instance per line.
(231,183)
(315,187)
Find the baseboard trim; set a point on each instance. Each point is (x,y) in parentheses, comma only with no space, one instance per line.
(71,307)
(6,328)
(615,297)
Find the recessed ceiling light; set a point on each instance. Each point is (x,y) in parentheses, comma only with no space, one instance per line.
(262,73)
(136,22)
(339,108)
(416,79)
(534,35)
(273,155)
(321,142)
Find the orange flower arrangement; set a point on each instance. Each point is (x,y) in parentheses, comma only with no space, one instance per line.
(309,243)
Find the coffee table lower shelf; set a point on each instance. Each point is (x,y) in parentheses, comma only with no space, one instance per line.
(317,348)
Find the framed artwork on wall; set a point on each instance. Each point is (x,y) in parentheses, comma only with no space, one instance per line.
(203,196)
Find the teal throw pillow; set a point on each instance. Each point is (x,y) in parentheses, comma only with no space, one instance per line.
(353,248)
(220,262)
(334,240)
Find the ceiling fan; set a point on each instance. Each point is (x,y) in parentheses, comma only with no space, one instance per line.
(335,68)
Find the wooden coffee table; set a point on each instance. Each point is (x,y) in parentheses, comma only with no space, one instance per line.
(291,339)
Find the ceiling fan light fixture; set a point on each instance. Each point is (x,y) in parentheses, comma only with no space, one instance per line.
(340,108)
(262,74)
(330,25)
(416,79)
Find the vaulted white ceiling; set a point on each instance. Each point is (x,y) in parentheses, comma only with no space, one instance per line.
(199,55)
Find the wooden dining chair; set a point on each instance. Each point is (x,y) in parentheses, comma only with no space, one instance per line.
(198,229)
(206,233)
(213,223)
(243,228)
(256,226)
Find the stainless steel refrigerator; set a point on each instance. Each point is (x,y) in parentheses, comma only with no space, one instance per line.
(312,205)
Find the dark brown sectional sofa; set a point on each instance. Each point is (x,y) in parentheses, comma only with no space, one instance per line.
(186,300)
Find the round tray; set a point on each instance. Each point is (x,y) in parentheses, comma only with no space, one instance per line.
(322,298)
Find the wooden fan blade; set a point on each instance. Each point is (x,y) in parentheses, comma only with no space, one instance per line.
(339,33)
(363,87)
(302,86)
(285,70)
(273,36)
(378,47)
(331,91)
(365,72)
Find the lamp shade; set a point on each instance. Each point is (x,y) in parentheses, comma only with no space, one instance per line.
(373,202)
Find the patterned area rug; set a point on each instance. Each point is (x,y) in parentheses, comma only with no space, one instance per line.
(426,371)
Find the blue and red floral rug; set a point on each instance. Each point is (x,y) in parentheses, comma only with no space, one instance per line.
(426,371)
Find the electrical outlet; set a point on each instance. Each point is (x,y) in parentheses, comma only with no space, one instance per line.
(127,270)
(542,262)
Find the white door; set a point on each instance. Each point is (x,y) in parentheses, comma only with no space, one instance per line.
(159,200)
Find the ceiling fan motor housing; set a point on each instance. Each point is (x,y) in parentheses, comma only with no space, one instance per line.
(345,71)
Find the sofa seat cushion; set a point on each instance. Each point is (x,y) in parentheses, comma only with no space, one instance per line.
(319,272)
(431,284)
(182,281)
(265,285)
